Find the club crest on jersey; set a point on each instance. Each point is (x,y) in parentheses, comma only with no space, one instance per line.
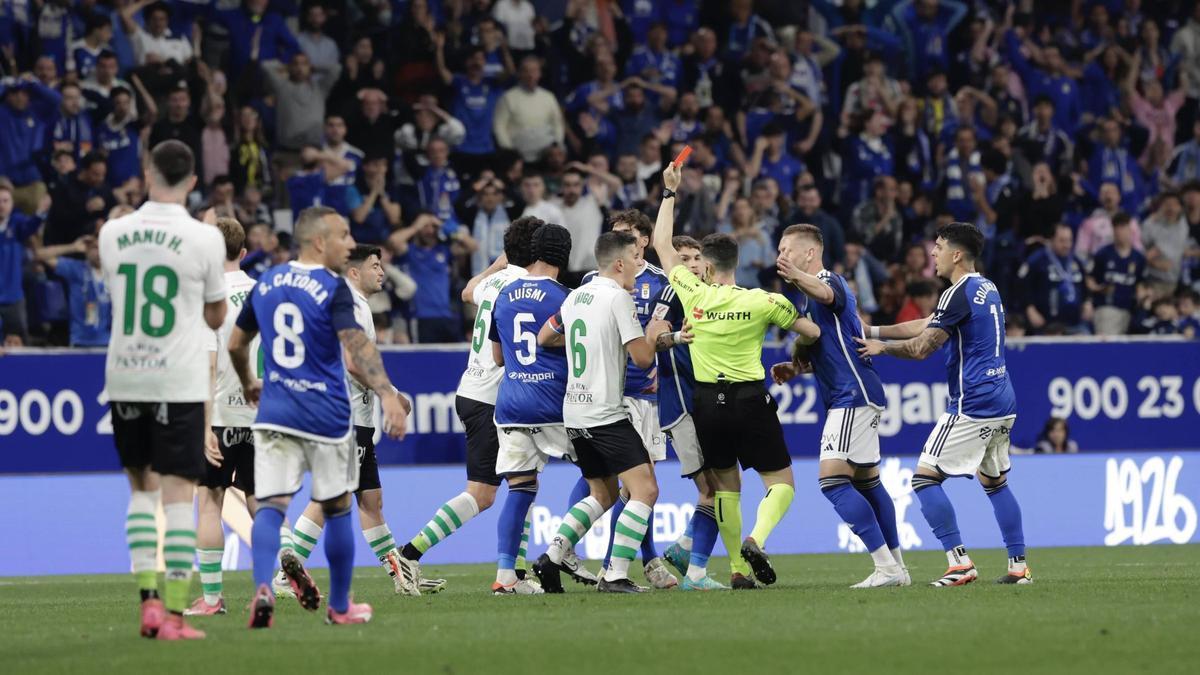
(645,290)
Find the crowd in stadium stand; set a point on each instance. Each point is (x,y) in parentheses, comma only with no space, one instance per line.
(1069,134)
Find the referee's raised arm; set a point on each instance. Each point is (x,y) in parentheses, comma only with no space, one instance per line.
(664,226)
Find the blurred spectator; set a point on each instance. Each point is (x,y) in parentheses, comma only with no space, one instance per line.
(300,99)
(337,190)
(71,128)
(1164,237)
(488,218)
(428,257)
(214,143)
(1096,231)
(364,70)
(1043,71)
(744,28)
(1155,112)
(1056,301)
(307,186)
(997,202)
(533,194)
(867,157)
(439,185)
(582,217)
(15,229)
(808,210)
(154,43)
(926,26)
(1041,141)
(475,100)
(97,33)
(877,221)
(374,207)
(1055,438)
(320,49)
(865,272)
(1043,208)
(250,166)
(517,17)
(1164,318)
(23,137)
(1187,303)
(1112,163)
(257,34)
(1116,271)
(119,135)
(179,124)
(921,298)
(527,117)
(772,159)
(961,176)
(80,202)
(1184,165)
(98,89)
(87,295)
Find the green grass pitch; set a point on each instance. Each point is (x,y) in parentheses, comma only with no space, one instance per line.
(1091,610)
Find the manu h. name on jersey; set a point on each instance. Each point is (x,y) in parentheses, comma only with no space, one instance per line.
(151,236)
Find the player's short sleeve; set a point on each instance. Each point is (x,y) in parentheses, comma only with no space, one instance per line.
(247,320)
(214,265)
(663,305)
(70,269)
(839,292)
(341,308)
(687,285)
(780,311)
(952,309)
(625,313)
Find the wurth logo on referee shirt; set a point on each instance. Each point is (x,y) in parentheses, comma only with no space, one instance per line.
(698,313)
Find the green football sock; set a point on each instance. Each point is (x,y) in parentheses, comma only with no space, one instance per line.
(729,522)
(446,521)
(141,536)
(211,579)
(771,510)
(179,549)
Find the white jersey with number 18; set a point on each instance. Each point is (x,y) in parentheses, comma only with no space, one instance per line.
(161,267)
(229,406)
(481,379)
(598,319)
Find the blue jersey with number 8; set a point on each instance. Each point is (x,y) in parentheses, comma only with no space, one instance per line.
(534,385)
(299,310)
(972,313)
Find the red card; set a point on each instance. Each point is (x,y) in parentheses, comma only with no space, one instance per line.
(683,155)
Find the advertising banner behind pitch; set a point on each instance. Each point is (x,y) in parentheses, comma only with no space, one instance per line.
(1122,396)
(1067,500)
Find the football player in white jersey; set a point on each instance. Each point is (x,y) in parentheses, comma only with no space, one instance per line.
(166,274)
(229,446)
(364,276)
(475,402)
(598,324)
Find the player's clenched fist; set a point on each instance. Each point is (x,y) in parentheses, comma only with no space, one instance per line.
(395,415)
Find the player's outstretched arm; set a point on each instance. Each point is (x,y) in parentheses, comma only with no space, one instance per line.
(664,225)
(807,330)
(668,340)
(214,313)
(371,373)
(642,350)
(917,348)
(900,331)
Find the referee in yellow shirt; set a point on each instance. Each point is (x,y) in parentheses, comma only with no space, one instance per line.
(735,416)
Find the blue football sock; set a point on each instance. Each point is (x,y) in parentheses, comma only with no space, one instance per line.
(614,514)
(1008,517)
(884,508)
(854,509)
(511,524)
(339,550)
(704,535)
(264,542)
(578,492)
(938,511)
(648,551)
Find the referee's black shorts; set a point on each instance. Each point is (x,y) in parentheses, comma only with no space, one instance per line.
(736,422)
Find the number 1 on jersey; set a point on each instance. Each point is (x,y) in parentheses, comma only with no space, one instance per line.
(995,310)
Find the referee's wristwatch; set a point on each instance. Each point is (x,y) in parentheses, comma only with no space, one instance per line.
(668,194)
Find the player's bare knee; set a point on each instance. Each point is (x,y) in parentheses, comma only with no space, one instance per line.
(210,500)
(829,468)
(992,484)
(782,476)
(483,494)
(371,502)
(336,506)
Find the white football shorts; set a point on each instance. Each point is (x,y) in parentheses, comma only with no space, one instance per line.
(644,416)
(687,446)
(960,446)
(852,434)
(281,460)
(525,450)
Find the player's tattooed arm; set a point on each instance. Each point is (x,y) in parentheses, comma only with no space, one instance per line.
(667,340)
(367,361)
(901,331)
(918,348)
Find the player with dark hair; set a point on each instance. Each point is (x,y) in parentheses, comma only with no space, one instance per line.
(167,269)
(735,416)
(972,437)
(529,401)
(599,326)
(853,397)
(304,422)
(475,401)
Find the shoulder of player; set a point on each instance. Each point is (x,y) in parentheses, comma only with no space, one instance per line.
(958,289)
(351,150)
(656,271)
